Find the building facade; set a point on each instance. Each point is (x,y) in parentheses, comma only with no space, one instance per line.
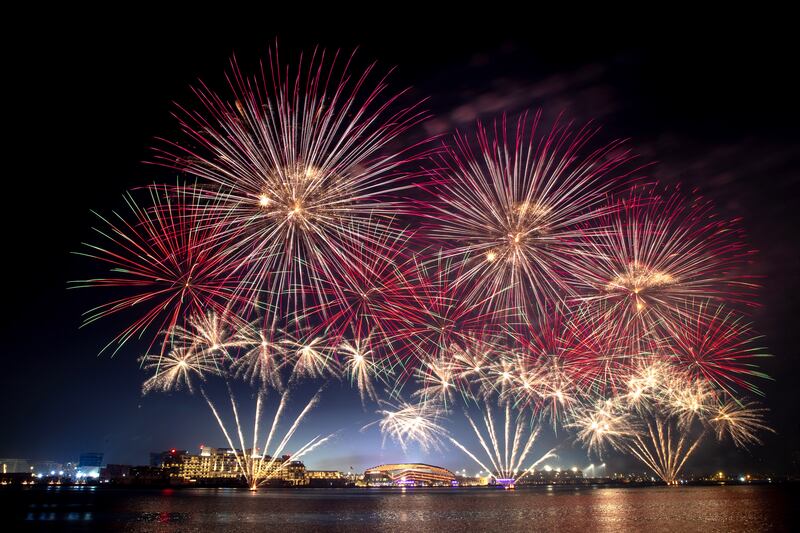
(326,478)
(220,464)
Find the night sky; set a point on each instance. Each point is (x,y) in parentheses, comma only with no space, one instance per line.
(713,107)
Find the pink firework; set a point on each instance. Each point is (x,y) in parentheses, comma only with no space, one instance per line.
(360,303)
(305,164)
(715,345)
(656,259)
(432,313)
(515,207)
(163,263)
(600,357)
(545,354)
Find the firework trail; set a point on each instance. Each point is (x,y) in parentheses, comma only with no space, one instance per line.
(506,443)
(204,349)
(663,418)
(662,452)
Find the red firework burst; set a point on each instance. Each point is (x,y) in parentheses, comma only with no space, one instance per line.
(717,346)
(361,299)
(432,312)
(164,262)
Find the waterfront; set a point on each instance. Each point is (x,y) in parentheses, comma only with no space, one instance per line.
(707,509)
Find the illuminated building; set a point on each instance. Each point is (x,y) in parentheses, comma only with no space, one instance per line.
(469,481)
(293,473)
(408,474)
(223,464)
(210,464)
(89,465)
(326,478)
(324,474)
(551,476)
(14,466)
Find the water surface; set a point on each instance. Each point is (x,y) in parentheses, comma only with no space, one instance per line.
(651,509)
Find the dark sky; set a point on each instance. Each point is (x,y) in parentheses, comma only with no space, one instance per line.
(713,105)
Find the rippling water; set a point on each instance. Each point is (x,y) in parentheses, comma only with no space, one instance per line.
(707,509)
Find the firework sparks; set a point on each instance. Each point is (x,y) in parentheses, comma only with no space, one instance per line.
(716,346)
(530,291)
(303,167)
(601,426)
(186,364)
(408,423)
(213,334)
(740,421)
(263,358)
(312,358)
(432,314)
(653,256)
(437,380)
(163,259)
(516,208)
(360,367)
(506,443)
(176,370)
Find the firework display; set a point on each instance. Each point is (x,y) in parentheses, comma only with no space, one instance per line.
(164,259)
(517,205)
(526,282)
(211,347)
(654,260)
(300,162)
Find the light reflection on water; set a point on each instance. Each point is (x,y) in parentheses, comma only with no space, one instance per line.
(706,509)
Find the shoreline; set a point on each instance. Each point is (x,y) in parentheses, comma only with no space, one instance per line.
(399,490)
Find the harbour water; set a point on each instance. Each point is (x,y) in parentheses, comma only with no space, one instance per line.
(587,509)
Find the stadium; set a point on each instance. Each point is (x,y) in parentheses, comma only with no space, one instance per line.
(408,475)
